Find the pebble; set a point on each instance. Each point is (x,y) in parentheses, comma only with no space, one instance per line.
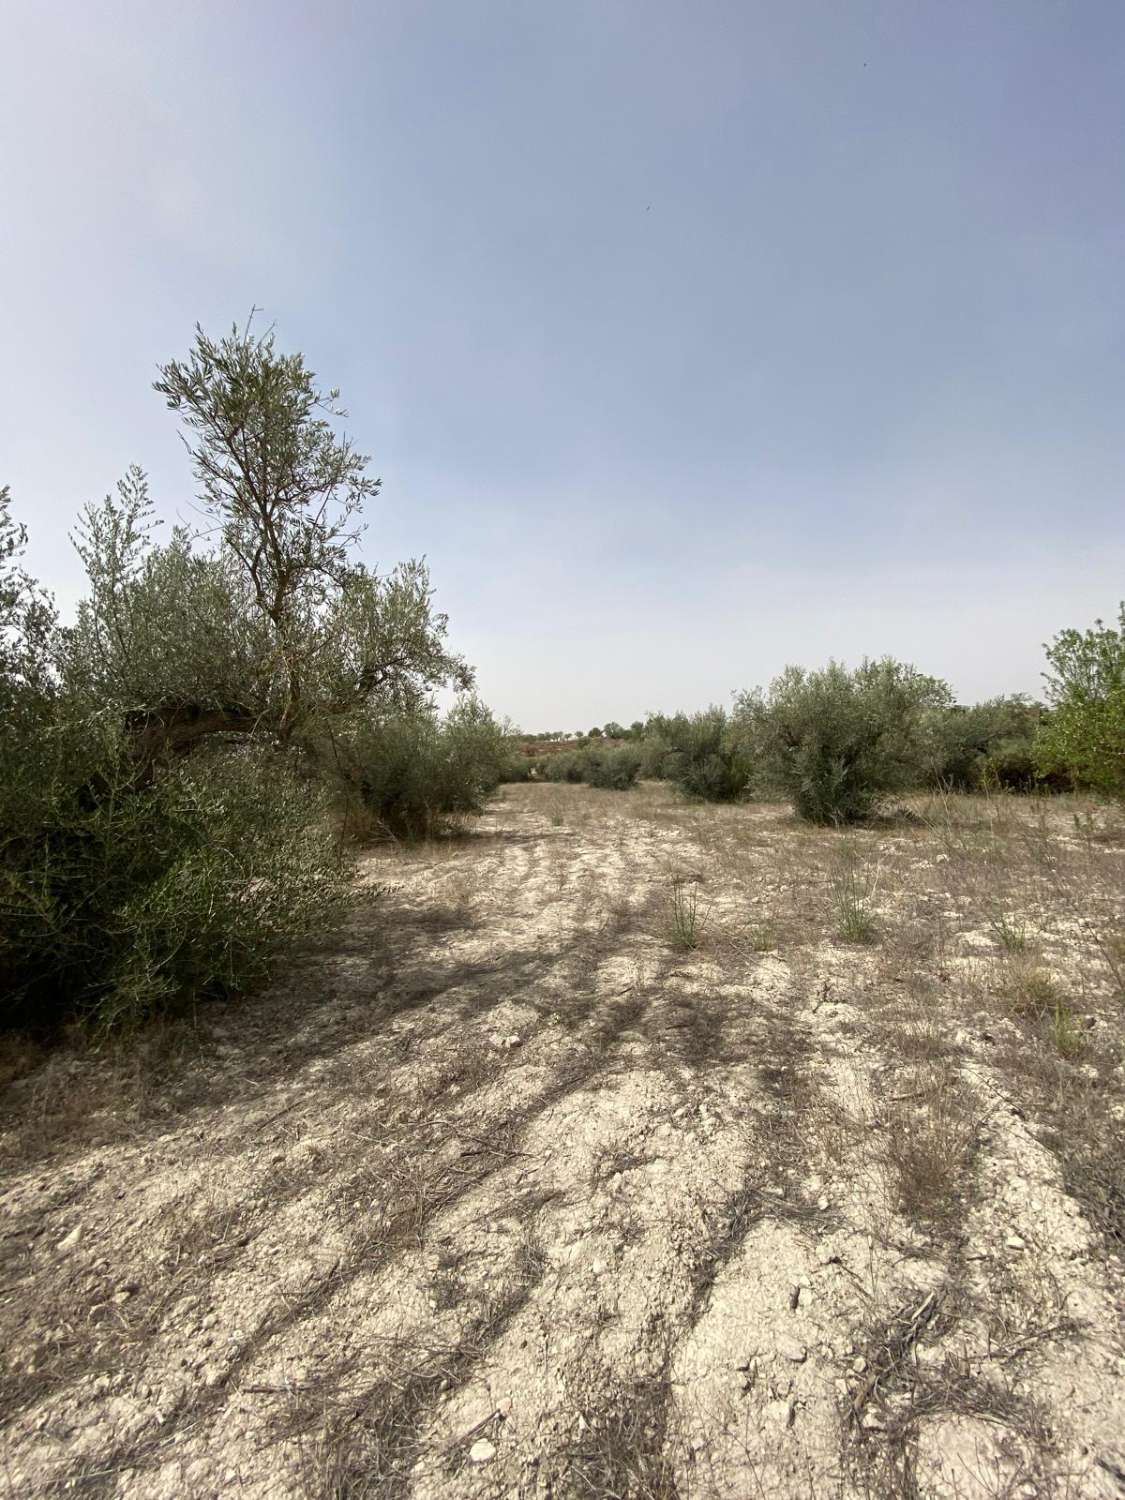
(70,1240)
(789,1349)
(780,1413)
(481,1451)
(1014,1242)
(859,1365)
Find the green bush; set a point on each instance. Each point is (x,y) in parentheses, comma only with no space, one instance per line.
(703,754)
(836,742)
(406,775)
(565,765)
(119,900)
(171,762)
(987,745)
(518,767)
(1083,735)
(612,769)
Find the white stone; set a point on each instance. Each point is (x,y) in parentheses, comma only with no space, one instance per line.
(481,1451)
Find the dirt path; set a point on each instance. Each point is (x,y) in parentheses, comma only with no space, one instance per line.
(504,1194)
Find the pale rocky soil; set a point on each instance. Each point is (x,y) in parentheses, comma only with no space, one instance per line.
(501,1194)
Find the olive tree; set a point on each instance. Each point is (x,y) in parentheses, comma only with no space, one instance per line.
(135,877)
(1083,735)
(837,741)
(269,624)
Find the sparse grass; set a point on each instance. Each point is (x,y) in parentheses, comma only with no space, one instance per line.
(1111,946)
(930,1138)
(1009,933)
(762,938)
(685,919)
(1031,989)
(1067,1035)
(853,885)
(623,1450)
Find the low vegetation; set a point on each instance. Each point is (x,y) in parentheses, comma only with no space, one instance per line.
(176,765)
(187,766)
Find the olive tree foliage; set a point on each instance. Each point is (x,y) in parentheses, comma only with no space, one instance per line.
(983,746)
(273,627)
(135,877)
(27,621)
(837,741)
(119,895)
(701,753)
(414,774)
(1083,735)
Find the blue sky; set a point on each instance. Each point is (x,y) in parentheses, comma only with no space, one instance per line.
(688,339)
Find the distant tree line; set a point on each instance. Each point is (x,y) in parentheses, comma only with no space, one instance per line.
(838,742)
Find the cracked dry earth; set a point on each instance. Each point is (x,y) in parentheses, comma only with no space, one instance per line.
(502,1193)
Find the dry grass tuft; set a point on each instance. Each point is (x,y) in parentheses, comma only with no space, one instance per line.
(931,1135)
(853,885)
(623,1451)
(686,920)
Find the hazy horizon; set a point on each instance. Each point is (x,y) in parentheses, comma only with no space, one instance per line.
(688,342)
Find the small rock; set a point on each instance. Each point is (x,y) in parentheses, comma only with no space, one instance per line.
(481,1451)
(1014,1242)
(598,1267)
(779,1413)
(859,1365)
(70,1240)
(789,1349)
(826,1256)
(822,1204)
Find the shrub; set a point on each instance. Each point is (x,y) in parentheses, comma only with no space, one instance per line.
(407,774)
(518,767)
(702,754)
(163,835)
(987,745)
(836,742)
(118,900)
(608,768)
(656,755)
(1083,735)
(613,770)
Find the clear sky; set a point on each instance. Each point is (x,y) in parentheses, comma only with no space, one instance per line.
(688,339)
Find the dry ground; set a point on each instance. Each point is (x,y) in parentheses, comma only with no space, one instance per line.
(511,1191)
